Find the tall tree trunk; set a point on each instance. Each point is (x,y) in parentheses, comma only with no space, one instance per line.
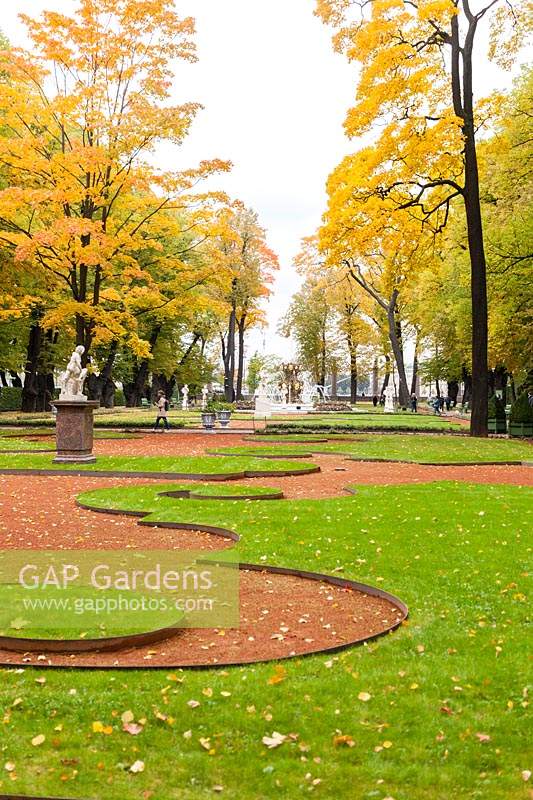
(160,382)
(467,386)
(386,377)
(323,353)
(241,325)
(375,378)
(513,388)
(414,377)
(229,354)
(165,383)
(453,391)
(38,388)
(463,103)
(135,389)
(352,349)
(395,336)
(30,390)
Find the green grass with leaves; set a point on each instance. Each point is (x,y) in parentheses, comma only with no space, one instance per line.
(436,710)
(404,447)
(12,444)
(185,465)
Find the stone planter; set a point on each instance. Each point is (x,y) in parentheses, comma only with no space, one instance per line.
(208,420)
(497,426)
(224,418)
(521,429)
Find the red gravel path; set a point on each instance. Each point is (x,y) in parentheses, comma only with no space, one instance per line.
(40,512)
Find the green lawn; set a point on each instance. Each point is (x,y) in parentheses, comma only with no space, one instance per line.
(10,433)
(420,449)
(367,421)
(184,465)
(145,418)
(445,711)
(9,443)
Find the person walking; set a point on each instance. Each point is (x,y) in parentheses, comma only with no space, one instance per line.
(414,403)
(435,403)
(162,411)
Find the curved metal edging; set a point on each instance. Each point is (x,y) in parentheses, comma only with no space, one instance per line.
(170,476)
(105,644)
(110,644)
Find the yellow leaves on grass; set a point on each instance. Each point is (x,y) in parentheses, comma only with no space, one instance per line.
(280,673)
(99,727)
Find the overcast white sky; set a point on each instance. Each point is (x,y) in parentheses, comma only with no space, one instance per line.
(275,96)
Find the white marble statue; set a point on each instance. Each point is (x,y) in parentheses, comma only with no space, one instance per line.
(205,392)
(263,405)
(389,399)
(185,398)
(71,381)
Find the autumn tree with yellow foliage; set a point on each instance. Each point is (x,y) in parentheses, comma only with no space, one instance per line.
(246,267)
(415,95)
(82,115)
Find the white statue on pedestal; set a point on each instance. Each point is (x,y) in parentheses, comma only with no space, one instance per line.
(389,399)
(71,381)
(263,406)
(185,400)
(205,392)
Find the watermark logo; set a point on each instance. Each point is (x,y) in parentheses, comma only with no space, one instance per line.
(73,593)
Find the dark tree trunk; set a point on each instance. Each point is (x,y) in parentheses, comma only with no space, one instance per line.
(490,382)
(513,388)
(386,378)
(453,391)
(101,387)
(395,336)
(30,391)
(500,377)
(241,325)
(467,386)
(437,387)
(228,351)
(160,382)
(353,375)
(165,383)
(323,354)
(415,368)
(462,92)
(375,377)
(136,389)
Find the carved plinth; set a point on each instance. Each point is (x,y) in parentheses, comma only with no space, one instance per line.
(74,431)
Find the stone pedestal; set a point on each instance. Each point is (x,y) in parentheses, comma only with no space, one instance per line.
(263,407)
(74,431)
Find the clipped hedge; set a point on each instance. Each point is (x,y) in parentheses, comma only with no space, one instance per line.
(278,429)
(521,411)
(496,408)
(10,398)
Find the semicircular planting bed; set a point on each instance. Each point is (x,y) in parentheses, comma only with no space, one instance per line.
(284,611)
